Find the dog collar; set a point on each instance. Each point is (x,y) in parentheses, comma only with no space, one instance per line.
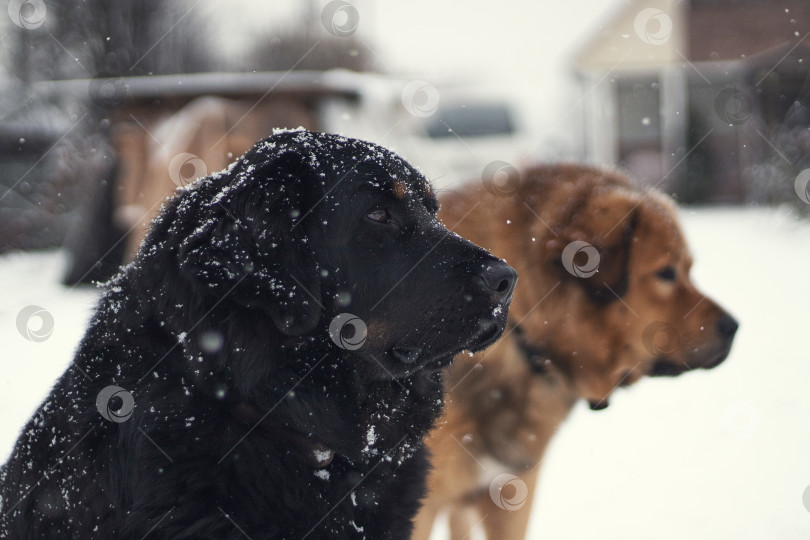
(539,361)
(537,358)
(317,454)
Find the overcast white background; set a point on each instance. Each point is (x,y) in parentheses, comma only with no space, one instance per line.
(521,48)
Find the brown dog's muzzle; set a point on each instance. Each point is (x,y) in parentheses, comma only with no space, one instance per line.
(727,328)
(708,358)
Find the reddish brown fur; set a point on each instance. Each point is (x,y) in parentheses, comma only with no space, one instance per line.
(400,190)
(498,411)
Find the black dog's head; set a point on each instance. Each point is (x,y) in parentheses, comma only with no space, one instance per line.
(319,238)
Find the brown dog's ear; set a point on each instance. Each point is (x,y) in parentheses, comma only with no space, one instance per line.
(252,247)
(597,257)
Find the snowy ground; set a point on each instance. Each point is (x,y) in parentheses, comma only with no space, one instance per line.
(722,454)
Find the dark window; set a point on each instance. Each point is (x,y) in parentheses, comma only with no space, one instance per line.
(470,121)
(639,102)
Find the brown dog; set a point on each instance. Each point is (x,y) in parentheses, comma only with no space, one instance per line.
(604,298)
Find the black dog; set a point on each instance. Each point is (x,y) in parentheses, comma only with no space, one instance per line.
(268,365)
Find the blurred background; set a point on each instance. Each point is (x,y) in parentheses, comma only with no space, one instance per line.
(704,99)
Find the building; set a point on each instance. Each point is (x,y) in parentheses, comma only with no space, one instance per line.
(706,99)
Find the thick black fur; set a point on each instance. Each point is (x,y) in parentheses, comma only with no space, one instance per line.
(220,331)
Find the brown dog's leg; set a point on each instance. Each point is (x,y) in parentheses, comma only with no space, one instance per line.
(501,524)
(462,519)
(423,523)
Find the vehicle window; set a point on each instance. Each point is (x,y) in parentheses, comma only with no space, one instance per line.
(470,121)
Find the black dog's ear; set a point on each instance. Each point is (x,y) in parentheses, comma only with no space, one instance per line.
(597,258)
(253,249)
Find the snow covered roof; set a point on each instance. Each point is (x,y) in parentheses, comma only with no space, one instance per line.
(119,90)
(640,34)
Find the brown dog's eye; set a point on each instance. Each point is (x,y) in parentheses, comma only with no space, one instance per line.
(379,216)
(666,274)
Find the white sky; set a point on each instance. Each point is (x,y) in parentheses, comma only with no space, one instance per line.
(506,37)
(520,46)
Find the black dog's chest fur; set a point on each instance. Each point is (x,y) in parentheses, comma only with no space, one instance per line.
(183,457)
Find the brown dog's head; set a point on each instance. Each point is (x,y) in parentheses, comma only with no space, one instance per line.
(605,290)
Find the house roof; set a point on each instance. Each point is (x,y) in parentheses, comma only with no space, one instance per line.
(119,90)
(639,34)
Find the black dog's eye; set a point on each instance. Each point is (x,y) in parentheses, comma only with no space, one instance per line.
(666,274)
(380,215)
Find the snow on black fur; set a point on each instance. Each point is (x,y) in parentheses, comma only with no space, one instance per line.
(208,398)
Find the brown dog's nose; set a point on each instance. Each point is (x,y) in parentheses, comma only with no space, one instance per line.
(727,326)
(499,278)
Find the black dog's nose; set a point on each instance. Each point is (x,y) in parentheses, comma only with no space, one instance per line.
(499,278)
(727,326)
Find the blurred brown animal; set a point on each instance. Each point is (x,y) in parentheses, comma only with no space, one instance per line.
(573,332)
(205,136)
